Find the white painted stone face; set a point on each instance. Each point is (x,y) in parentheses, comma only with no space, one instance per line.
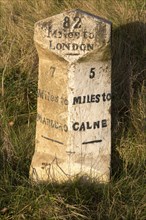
(73,131)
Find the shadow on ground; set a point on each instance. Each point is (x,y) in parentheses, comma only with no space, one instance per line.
(128,75)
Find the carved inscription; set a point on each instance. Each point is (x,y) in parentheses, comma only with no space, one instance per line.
(74,37)
(50,97)
(51,123)
(93,98)
(71,46)
(87,125)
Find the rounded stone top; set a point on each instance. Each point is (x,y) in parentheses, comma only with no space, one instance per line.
(73,34)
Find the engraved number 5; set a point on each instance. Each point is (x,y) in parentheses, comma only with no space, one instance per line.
(92,73)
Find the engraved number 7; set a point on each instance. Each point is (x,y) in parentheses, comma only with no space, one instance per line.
(92,73)
(52,70)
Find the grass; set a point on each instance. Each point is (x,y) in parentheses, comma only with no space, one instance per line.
(124,197)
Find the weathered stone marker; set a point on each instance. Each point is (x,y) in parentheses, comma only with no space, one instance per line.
(73,131)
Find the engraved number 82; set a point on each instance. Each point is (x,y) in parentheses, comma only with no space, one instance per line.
(66,22)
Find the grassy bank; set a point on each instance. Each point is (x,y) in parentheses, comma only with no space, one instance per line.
(124,197)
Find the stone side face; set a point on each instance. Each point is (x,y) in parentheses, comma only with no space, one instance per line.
(73,130)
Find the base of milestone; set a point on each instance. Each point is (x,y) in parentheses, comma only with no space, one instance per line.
(60,171)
